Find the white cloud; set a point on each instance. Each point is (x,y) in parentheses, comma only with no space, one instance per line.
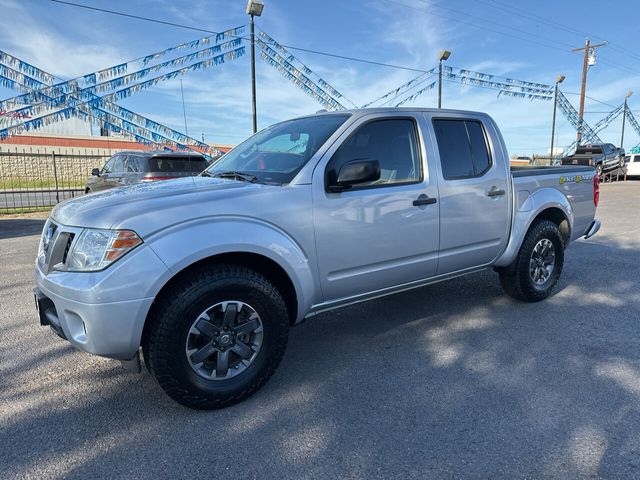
(38,42)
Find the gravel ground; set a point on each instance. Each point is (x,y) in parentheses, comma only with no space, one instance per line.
(454,380)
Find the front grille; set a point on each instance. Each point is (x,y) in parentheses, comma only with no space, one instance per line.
(55,245)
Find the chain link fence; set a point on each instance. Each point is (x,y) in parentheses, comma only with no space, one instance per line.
(33,181)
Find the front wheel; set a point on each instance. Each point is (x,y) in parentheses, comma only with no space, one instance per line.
(216,337)
(538,266)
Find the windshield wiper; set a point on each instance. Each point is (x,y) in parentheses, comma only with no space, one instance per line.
(246,177)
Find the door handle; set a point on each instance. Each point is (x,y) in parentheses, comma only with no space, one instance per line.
(423,200)
(495,192)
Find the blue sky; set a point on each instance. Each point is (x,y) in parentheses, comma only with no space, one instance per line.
(493,36)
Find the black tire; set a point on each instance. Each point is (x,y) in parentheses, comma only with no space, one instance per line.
(517,280)
(171,320)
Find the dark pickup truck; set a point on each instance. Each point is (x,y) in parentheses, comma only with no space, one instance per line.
(601,156)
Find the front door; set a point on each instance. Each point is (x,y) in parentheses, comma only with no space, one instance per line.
(372,237)
(475,211)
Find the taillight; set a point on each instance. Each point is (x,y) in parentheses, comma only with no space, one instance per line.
(596,189)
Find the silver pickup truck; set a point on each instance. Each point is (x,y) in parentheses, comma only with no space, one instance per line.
(207,274)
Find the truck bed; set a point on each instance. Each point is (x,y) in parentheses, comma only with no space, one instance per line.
(574,181)
(527,171)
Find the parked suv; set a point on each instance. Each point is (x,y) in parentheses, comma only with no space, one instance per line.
(131,167)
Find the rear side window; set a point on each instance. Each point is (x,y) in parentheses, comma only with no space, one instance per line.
(177,164)
(464,152)
(636,158)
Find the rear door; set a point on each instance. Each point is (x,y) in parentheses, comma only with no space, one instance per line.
(474,192)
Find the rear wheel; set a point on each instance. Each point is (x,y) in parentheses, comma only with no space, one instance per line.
(216,338)
(538,266)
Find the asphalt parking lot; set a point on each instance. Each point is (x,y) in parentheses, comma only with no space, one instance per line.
(454,380)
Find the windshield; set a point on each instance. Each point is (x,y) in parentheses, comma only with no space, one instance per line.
(277,153)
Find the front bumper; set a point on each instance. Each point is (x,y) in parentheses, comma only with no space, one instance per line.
(102,313)
(110,329)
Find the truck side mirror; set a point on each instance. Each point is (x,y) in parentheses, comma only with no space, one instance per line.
(95,172)
(353,173)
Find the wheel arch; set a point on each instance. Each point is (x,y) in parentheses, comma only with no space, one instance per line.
(544,204)
(265,266)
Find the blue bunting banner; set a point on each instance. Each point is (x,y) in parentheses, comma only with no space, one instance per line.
(479,78)
(58,92)
(312,91)
(233,32)
(513,90)
(297,77)
(290,58)
(76,106)
(416,94)
(217,60)
(24,67)
(395,92)
(22,79)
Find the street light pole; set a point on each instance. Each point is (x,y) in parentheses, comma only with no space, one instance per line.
(624,117)
(254,8)
(253,78)
(444,55)
(559,80)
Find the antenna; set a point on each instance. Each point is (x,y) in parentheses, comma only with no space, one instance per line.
(184,111)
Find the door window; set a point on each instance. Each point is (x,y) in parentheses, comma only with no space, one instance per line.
(393,143)
(464,152)
(115,165)
(108,167)
(133,164)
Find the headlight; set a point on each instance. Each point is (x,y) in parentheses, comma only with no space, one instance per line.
(97,249)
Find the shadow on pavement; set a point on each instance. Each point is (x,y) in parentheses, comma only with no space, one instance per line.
(20,227)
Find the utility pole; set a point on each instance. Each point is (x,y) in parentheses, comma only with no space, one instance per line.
(624,117)
(589,59)
(559,80)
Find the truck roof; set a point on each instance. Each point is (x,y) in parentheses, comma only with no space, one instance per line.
(161,153)
(358,112)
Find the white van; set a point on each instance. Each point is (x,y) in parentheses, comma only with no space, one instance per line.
(632,163)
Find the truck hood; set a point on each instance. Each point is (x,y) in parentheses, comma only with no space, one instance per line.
(117,207)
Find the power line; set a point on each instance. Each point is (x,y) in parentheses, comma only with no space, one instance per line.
(537,17)
(553,23)
(475,25)
(291,47)
(350,58)
(139,17)
(591,98)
